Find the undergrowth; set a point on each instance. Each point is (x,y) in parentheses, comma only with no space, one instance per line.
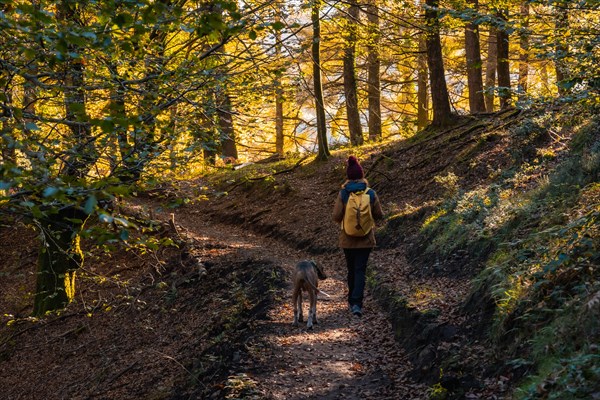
(535,228)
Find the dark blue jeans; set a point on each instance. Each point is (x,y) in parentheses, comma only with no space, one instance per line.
(356,261)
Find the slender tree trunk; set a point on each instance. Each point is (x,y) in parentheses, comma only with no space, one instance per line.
(440,99)
(373,78)
(422,89)
(8,153)
(524,51)
(323,148)
(503,63)
(490,70)
(279,137)
(117,111)
(562,48)
(473,55)
(225,118)
(350,85)
(83,153)
(545,79)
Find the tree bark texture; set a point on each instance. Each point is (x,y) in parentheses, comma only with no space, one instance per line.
(227,130)
(59,258)
(279,137)
(562,48)
(524,51)
(473,55)
(440,99)
(82,154)
(350,84)
(373,71)
(502,37)
(323,148)
(422,89)
(490,70)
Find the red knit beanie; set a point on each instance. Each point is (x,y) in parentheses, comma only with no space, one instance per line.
(354,170)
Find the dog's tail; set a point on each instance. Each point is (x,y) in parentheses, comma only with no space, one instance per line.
(317,289)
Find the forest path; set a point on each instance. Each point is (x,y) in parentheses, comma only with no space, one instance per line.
(342,357)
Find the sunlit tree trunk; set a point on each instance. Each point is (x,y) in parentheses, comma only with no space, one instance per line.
(225,120)
(473,55)
(118,112)
(562,47)
(524,50)
(323,148)
(83,153)
(440,99)
(59,255)
(490,70)
(350,85)
(59,258)
(279,137)
(502,42)
(373,70)
(422,89)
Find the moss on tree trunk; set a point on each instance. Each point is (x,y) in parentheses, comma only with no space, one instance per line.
(59,258)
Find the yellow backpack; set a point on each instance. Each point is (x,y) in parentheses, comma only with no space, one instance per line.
(358,220)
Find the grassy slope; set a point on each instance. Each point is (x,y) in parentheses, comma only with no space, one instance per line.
(507,201)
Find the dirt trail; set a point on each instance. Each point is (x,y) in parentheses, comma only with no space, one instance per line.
(342,357)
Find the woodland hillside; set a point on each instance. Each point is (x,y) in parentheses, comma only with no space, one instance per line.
(486,274)
(164,164)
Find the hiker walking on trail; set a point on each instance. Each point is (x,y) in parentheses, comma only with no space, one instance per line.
(356,208)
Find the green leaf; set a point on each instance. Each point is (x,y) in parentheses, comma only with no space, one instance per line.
(278,25)
(124,234)
(50,191)
(252,35)
(90,204)
(105,218)
(89,35)
(31,126)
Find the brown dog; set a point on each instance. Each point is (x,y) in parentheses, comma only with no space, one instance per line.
(306,278)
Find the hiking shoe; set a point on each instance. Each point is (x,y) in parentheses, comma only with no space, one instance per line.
(356,310)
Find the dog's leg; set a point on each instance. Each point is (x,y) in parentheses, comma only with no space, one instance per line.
(299,306)
(315,309)
(295,304)
(312,295)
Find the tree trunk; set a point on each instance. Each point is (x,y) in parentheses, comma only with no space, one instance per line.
(118,112)
(524,51)
(440,99)
(225,118)
(562,48)
(422,89)
(279,137)
(59,258)
(323,148)
(60,255)
(350,85)
(8,153)
(504,93)
(83,153)
(490,70)
(473,55)
(373,67)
